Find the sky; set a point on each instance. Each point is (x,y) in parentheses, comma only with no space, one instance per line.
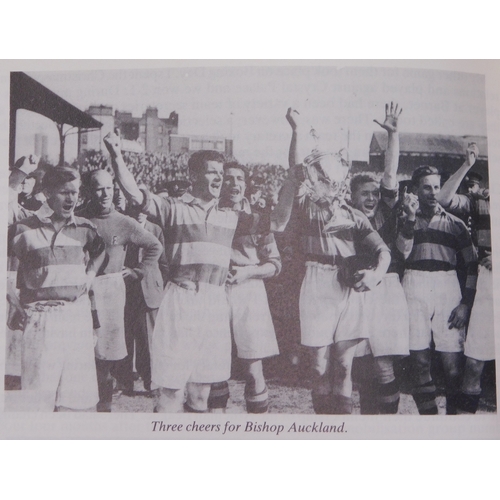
(249,104)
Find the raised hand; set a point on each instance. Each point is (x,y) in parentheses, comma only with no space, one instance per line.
(410,204)
(392,114)
(293,118)
(471,153)
(112,142)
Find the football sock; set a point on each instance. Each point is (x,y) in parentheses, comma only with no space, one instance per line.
(190,409)
(368,397)
(388,397)
(257,403)
(219,396)
(467,403)
(425,398)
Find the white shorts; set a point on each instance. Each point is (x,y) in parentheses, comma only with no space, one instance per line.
(251,323)
(387,318)
(431,297)
(191,337)
(109,291)
(329,312)
(480,341)
(58,365)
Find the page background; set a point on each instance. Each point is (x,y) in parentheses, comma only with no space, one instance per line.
(363,466)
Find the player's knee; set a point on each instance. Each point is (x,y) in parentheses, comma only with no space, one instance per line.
(474,368)
(421,360)
(197,396)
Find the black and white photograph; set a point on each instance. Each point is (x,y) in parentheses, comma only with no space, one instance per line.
(249,251)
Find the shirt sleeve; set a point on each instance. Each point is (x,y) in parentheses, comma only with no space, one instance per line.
(404,238)
(156,208)
(460,204)
(152,248)
(162,261)
(267,251)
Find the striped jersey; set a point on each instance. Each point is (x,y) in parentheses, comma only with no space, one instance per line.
(478,209)
(387,223)
(316,244)
(198,239)
(437,242)
(254,249)
(52,264)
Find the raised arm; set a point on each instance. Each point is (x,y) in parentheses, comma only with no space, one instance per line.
(392,113)
(450,187)
(123,175)
(283,210)
(24,167)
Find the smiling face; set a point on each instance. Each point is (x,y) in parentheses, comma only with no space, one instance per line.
(366,197)
(234,185)
(102,190)
(62,200)
(208,182)
(428,188)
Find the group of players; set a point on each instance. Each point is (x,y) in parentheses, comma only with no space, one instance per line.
(179,279)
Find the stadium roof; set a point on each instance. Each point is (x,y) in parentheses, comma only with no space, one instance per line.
(27,93)
(429,144)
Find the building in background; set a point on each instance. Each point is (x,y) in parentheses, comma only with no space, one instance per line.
(190,143)
(149,133)
(446,152)
(92,140)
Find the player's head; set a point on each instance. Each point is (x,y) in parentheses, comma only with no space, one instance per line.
(472,182)
(426,182)
(235,182)
(27,185)
(365,193)
(206,169)
(61,186)
(100,188)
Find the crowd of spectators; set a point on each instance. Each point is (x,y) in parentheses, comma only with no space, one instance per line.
(155,170)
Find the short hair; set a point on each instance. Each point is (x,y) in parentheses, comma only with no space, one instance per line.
(362,178)
(198,160)
(235,164)
(421,172)
(87,179)
(56,177)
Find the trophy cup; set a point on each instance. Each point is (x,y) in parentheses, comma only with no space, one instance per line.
(324,182)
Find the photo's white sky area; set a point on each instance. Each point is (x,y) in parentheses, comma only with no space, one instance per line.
(249,104)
